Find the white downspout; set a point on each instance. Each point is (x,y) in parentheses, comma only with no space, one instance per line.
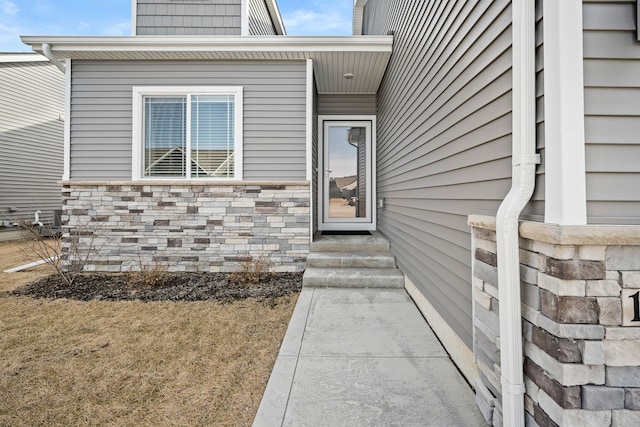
(523,182)
(46,51)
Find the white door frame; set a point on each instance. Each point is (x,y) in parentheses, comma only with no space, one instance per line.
(346,224)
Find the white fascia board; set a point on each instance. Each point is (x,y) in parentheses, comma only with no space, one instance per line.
(62,44)
(22,57)
(274,12)
(565,170)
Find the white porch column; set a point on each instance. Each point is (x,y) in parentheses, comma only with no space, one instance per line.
(565,178)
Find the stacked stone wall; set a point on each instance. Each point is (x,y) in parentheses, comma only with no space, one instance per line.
(208,227)
(581,365)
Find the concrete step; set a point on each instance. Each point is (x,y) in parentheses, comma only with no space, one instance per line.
(351,260)
(374,242)
(353,278)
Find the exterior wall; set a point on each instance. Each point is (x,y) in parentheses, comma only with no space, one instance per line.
(612,111)
(260,23)
(582,367)
(187,226)
(535,209)
(188,17)
(31,137)
(346,104)
(274,113)
(443,139)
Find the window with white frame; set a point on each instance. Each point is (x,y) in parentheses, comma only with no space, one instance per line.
(187,133)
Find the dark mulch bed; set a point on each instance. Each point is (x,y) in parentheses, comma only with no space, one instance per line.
(171,287)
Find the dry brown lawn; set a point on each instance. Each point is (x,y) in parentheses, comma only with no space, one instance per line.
(132,363)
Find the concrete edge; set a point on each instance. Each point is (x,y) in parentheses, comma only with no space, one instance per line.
(593,235)
(461,355)
(275,398)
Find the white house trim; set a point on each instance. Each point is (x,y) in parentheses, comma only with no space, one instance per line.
(276,18)
(565,177)
(134,17)
(137,108)
(358,16)
(366,57)
(66,170)
(22,57)
(244,17)
(309,141)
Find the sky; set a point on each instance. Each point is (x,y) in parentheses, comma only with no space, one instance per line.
(113,18)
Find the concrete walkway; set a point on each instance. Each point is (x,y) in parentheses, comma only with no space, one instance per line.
(363,357)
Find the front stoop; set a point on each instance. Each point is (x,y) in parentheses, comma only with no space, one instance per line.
(352,262)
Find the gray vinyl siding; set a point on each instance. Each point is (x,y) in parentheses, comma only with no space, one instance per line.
(32,140)
(188,17)
(259,19)
(346,104)
(612,111)
(443,138)
(274,113)
(534,211)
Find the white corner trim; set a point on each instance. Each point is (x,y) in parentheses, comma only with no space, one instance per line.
(66,171)
(309,142)
(138,92)
(244,17)
(134,17)
(461,355)
(565,175)
(309,118)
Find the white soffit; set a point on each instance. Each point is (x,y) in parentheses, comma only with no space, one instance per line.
(366,57)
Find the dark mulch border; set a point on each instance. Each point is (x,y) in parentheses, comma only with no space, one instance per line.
(173,287)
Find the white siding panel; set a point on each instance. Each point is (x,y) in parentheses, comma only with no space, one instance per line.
(612,111)
(31,137)
(444,138)
(274,113)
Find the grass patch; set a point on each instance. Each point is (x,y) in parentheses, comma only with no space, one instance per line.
(68,362)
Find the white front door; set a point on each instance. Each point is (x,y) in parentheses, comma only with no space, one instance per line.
(346,175)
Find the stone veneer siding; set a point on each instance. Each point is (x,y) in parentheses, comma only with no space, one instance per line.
(582,368)
(187,226)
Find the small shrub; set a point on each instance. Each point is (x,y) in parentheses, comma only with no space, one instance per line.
(251,271)
(68,260)
(150,275)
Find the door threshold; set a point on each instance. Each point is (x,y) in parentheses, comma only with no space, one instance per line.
(346,233)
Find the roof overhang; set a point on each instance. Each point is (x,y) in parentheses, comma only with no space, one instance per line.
(365,57)
(21,57)
(358,12)
(276,18)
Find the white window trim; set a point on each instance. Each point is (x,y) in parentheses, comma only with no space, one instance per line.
(138,123)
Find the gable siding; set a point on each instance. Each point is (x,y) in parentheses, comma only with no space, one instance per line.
(188,17)
(444,138)
(259,19)
(274,113)
(612,111)
(346,104)
(32,139)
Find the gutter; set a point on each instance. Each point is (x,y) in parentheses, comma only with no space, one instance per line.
(46,51)
(524,161)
